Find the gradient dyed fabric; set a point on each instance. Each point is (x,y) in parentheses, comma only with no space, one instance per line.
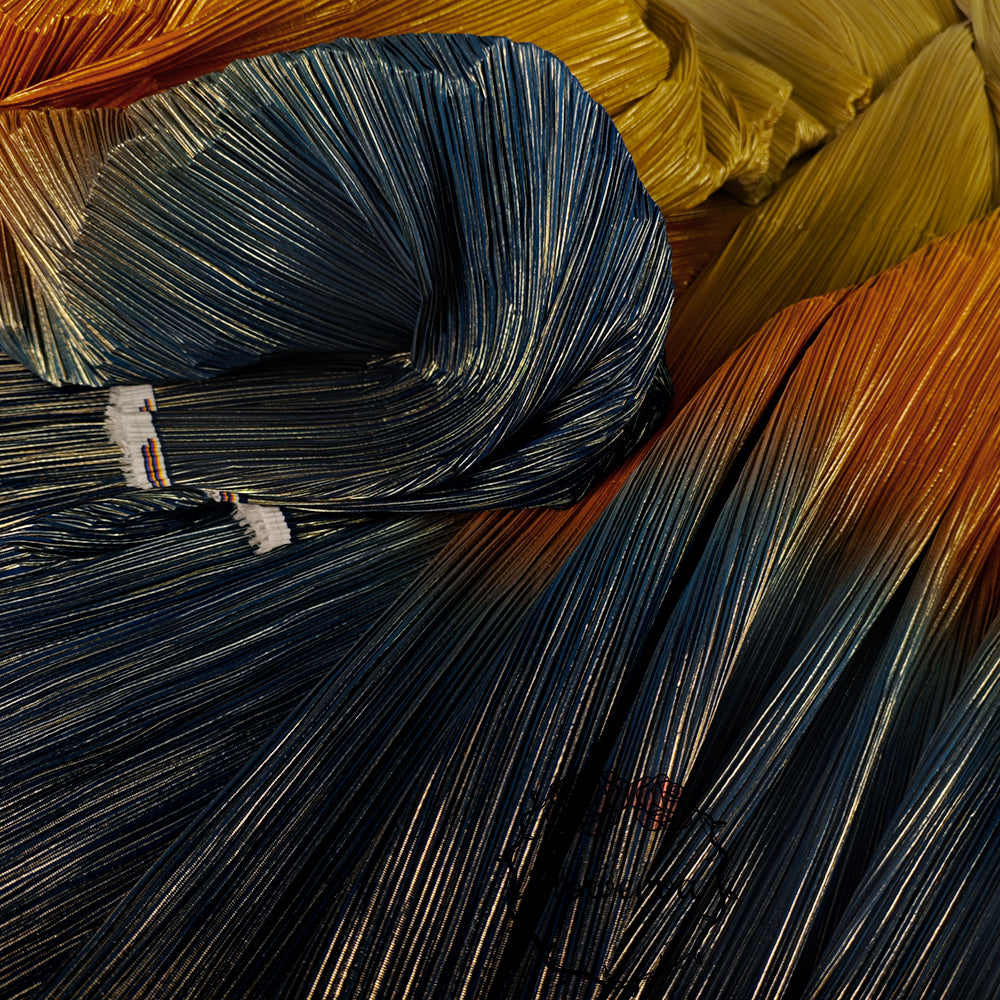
(506,804)
(723,728)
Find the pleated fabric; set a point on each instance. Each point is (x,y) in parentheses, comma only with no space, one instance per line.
(726,728)
(702,92)
(823,692)
(509,801)
(148,655)
(922,922)
(453,222)
(859,206)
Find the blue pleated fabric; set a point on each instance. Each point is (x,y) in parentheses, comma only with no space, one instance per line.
(449,227)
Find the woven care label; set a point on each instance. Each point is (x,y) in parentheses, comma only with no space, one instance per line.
(129,423)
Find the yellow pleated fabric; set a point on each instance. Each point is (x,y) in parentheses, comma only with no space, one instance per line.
(921,162)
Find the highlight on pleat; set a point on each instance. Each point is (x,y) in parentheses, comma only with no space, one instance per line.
(48,164)
(40,40)
(665,130)
(727,131)
(834,507)
(186,238)
(858,206)
(186,651)
(650,76)
(796,132)
(919,922)
(762,96)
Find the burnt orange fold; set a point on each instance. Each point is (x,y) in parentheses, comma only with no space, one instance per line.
(647,76)
(85,55)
